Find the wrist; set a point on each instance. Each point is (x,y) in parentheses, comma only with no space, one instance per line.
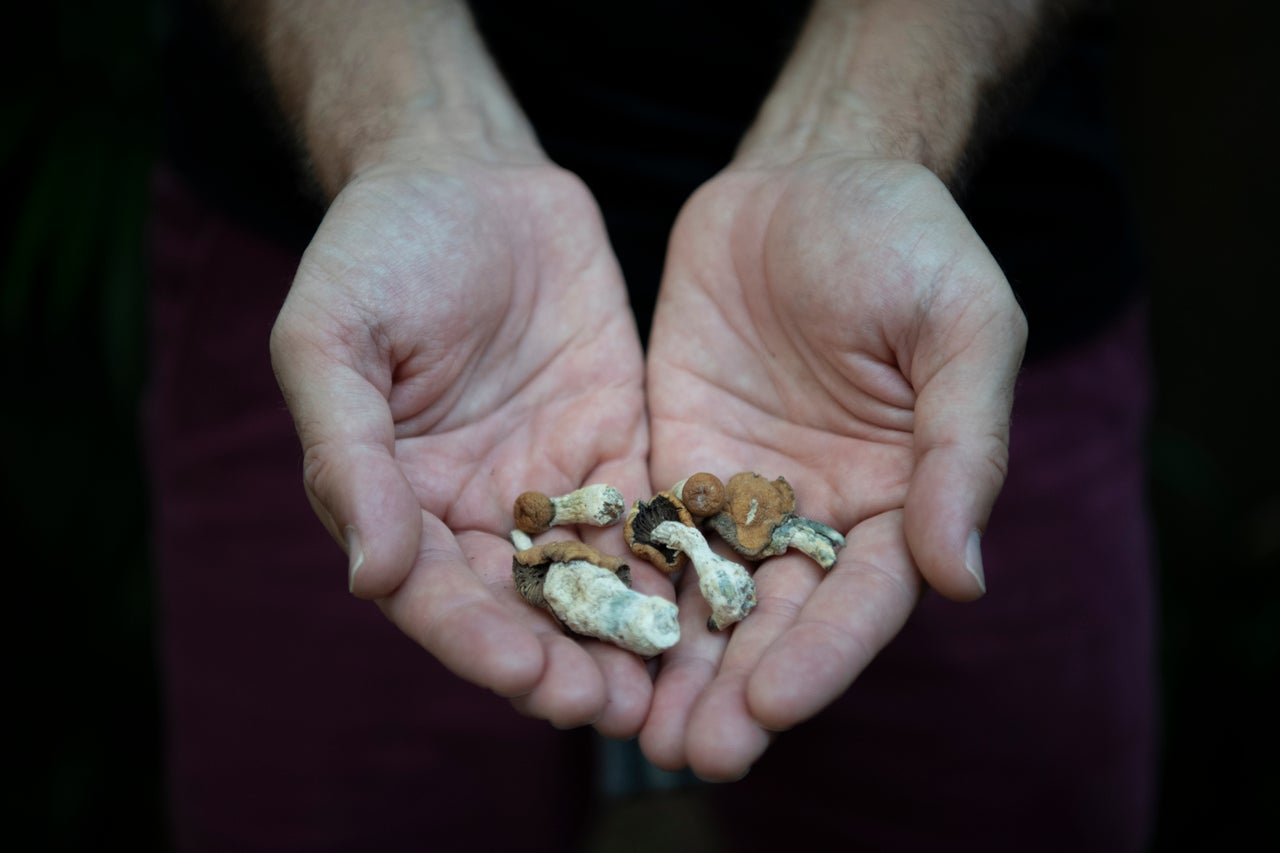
(903,80)
(368,83)
(424,132)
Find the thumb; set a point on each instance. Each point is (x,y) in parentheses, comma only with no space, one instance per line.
(962,453)
(349,471)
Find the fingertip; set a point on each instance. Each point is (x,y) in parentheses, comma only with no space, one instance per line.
(355,556)
(771,699)
(723,778)
(662,736)
(570,691)
(947,507)
(973,562)
(716,765)
(517,669)
(381,520)
(628,694)
(723,740)
(950,564)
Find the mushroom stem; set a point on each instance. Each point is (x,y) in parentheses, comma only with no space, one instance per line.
(594,602)
(726,585)
(807,536)
(598,505)
(521,540)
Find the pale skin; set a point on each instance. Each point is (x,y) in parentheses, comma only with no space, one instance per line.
(458,333)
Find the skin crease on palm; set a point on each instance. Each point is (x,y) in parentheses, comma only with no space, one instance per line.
(450,341)
(839,323)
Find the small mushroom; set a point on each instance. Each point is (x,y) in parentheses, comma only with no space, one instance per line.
(702,494)
(807,536)
(727,586)
(594,602)
(589,593)
(643,518)
(598,505)
(759,520)
(529,567)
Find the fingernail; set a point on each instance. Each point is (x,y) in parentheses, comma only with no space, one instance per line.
(355,557)
(973,559)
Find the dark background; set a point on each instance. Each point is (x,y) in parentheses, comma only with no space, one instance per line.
(1196,95)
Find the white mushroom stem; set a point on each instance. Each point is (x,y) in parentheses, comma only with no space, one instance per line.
(727,586)
(594,602)
(521,540)
(810,537)
(599,505)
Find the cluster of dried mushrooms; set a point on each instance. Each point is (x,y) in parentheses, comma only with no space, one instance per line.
(590,592)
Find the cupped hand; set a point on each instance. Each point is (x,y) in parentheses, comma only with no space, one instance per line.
(456,335)
(836,322)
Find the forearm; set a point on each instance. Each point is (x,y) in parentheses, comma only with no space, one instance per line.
(361,81)
(900,79)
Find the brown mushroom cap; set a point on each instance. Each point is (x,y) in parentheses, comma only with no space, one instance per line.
(753,507)
(702,494)
(529,567)
(646,515)
(533,512)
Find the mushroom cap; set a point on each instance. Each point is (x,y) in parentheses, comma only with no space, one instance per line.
(533,512)
(529,567)
(646,515)
(753,507)
(702,494)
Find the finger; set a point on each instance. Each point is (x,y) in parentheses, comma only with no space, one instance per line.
(448,610)
(628,690)
(857,609)
(684,672)
(349,470)
(724,738)
(961,440)
(571,691)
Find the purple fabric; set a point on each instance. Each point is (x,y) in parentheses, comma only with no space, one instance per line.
(300,719)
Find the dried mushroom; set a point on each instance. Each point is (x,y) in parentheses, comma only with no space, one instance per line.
(594,602)
(758,520)
(643,518)
(728,587)
(589,593)
(702,494)
(598,505)
(529,567)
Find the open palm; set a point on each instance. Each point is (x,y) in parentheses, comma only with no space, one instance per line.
(454,338)
(840,324)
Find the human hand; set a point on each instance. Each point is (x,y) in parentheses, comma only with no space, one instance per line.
(839,323)
(455,335)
